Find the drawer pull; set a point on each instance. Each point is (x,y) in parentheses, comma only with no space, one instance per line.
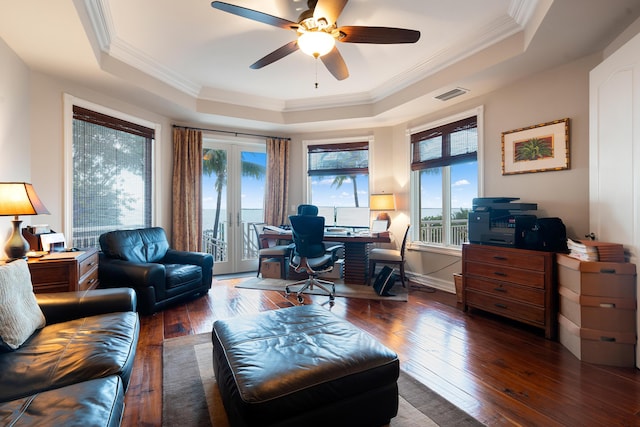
(500,258)
(500,273)
(608,270)
(500,305)
(91,281)
(92,263)
(500,289)
(608,339)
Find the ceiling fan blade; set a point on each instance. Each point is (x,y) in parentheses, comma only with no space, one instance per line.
(276,55)
(378,35)
(255,15)
(335,64)
(329,9)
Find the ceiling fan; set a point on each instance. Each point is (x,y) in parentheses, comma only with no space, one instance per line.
(318,31)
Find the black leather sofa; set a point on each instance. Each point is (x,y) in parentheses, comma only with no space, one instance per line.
(75,370)
(161,276)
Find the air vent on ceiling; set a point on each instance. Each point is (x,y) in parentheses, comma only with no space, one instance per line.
(452,94)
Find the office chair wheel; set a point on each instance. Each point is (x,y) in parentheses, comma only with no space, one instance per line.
(300,299)
(332,297)
(287,291)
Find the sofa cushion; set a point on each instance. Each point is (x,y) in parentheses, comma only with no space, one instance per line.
(70,352)
(20,315)
(98,402)
(183,275)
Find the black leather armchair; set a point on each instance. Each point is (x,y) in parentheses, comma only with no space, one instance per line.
(141,259)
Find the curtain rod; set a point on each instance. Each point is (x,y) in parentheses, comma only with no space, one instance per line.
(230,132)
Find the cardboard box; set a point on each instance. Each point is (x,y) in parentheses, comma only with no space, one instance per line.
(271,269)
(607,279)
(598,312)
(599,347)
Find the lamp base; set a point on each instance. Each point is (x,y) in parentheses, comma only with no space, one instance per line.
(17,246)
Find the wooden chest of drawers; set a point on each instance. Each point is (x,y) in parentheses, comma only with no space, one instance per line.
(65,271)
(514,283)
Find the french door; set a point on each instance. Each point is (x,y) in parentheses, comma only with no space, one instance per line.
(233,180)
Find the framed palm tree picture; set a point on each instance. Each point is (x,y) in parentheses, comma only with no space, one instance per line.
(539,148)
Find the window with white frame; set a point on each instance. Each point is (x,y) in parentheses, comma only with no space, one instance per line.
(112,175)
(445,172)
(338,182)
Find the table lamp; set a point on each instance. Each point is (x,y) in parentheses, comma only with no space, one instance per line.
(18,198)
(383,202)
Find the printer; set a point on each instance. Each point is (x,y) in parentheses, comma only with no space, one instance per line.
(501,222)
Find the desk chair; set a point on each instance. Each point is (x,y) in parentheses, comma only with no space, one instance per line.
(307,210)
(389,256)
(311,255)
(266,250)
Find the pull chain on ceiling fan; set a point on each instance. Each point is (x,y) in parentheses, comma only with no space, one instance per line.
(318,32)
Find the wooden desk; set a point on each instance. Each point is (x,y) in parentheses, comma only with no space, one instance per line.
(356,252)
(65,271)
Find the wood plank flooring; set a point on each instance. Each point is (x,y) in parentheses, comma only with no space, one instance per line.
(502,373)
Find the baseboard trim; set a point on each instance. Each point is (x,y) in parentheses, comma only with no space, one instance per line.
(440,284)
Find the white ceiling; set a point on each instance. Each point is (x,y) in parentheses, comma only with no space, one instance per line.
(190,62)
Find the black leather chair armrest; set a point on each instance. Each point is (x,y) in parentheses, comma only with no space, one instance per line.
(62,306)
(113,273)
(202,259)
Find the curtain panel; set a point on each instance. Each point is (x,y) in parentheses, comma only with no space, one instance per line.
(187,190)
(277,188)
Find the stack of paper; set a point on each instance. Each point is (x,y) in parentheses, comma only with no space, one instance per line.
(590,250)
(581,251)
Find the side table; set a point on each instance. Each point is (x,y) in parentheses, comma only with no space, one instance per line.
(65,271)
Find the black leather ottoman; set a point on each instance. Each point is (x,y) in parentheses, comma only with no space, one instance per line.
(303,366)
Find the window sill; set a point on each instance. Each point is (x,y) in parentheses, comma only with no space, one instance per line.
(423,247)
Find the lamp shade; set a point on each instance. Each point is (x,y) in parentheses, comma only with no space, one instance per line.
(382,202)
(19,198)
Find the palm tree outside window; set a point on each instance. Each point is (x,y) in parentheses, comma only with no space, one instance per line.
(214,164)
(338,179)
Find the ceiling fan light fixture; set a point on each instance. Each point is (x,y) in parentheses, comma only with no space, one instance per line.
(316,43)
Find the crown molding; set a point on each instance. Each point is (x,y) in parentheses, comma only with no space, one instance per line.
(100,20)
(516,18)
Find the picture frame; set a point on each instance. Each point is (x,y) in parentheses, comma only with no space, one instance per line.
(539,148)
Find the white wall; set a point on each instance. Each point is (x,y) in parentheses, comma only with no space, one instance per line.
(15,141)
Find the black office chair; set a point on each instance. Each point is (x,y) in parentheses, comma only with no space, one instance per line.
(308,210)
(311,255)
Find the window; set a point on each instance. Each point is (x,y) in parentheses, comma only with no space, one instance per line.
(338,182)
(112,162)
(444,166)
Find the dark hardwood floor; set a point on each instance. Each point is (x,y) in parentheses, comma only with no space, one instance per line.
(502,373)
